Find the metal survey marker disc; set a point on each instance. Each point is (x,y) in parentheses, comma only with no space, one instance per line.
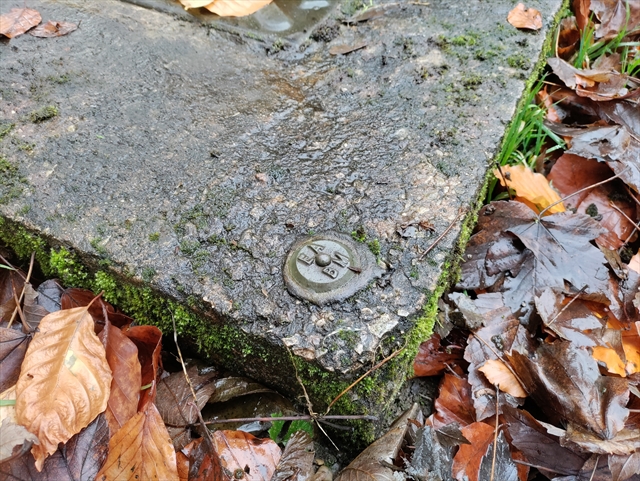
(328,267)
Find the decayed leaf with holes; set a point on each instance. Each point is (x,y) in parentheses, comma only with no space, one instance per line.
(141,449)
(498,374)
(18,21)
(12,434)
(238,449)
(523,17)
(53,29)
(236,8)
(122,356)
(373,463)
(530,187)
(64,382)
(77,460)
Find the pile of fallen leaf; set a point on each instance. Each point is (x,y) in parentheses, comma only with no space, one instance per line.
(22,20)
(548,378)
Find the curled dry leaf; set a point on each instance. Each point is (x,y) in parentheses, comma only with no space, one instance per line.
(531,188)
(236,8)
(53,29)
(18,21)
(524,17)
(64,382)
(238,450)
(499,375)
(141,449)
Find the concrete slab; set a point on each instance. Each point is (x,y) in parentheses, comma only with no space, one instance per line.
(184,163)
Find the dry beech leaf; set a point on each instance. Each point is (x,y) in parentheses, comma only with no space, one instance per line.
(523,17)
(238,450)
(64,382)
(18,21)
(12,434)
(141,450)
(187,4)
(236,8)
(499,375)
(533,188)
(53,29)
(122,356)
(634,263)
(467,460)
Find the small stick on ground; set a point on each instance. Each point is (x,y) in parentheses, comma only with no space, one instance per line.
(26,281)
(441,236)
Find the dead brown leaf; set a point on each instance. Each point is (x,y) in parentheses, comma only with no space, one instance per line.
(453,404)
(53,29)
(466,462)
(296,463)
(236,8)
(12,434)
(122,356)
(525,17)
(499,375)
(238,450)
(613,17)
(148,340)
(18,21)
(141,449)
(204,462)
(13,347)
(531,188)
(64,381)
(433,359)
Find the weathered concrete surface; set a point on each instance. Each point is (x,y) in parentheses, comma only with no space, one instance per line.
(193,159)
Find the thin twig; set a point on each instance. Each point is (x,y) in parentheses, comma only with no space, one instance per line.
(303,417)
(435,242)
(581,190)
(495,436)
(624,214)
(567,306)
(184,368)
(377,366)
(25,326)
(595,467)
(26,281)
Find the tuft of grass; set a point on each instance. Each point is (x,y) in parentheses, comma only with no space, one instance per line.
(43,113)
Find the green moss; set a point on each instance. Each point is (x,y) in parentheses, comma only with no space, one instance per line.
(5,128)
(44,113)
(374,246)
(11,182)
(148,273)
(359,234)
(518,61)
(154,236)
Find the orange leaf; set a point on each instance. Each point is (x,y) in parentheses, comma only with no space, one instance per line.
(498,374)
(466,462)
(631,346)
(530,186)
(523,17)
(64,382)
(187,4)
(610,358)
(634,263)
(454,402)
(53,29)
(18,21)
(236,8)
(238,449)
(141,449)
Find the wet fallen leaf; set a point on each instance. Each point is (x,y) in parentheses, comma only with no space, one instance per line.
(531,187)
(13,347)
(32,310)
(11,281)
(566,384)
(231,387)
(50,292)
(466,462)
(500,466)
(204,462)
(373,463)
(141,449)
(610,358)
(634,263)
(540,448)
(12,434)
(525,17)
(431,458)
(53,29)
(148,340)
(296,463)
(122,356)
(623,467)
(75,297)
(607,203)
(625,441)
(236,8)
(345,49)
(433,359)
(614,18)
(499,375)
(453,404)
(64,381)
(238,450)
(597,84)
(77,460)
(568,38)
(18,21)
